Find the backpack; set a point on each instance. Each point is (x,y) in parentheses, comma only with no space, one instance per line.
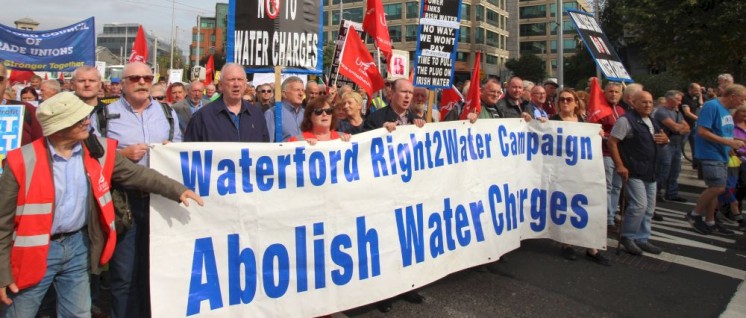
(122,209)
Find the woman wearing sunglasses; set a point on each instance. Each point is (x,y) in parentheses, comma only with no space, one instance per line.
(569,110)
(319,123)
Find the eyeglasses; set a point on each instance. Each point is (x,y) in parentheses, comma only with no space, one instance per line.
(83,122)
(565,99)
(137,78)
(265,90)
(319,111)
(159,97)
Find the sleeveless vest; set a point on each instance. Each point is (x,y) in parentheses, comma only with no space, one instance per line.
(640,152)
(32,169)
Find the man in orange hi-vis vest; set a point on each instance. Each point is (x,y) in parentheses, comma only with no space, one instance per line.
(56,212)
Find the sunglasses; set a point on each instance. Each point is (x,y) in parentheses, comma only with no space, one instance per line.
(265,90)
(319,111)
(159,97)
(2,79)
(137,78)
(565,99)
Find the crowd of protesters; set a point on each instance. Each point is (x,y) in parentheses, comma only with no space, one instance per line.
(642,148)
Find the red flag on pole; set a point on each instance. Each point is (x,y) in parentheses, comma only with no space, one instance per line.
(598,107)
(46,76)
(357,64)
(20,76)
(209,70)
(448,99)
(139,51)
(473,103)
(374,23)
(62,77)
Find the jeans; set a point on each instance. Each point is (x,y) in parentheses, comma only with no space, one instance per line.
(613,188)
(122,273)
(640,206)
(67,268)
(669,168)
(130,284)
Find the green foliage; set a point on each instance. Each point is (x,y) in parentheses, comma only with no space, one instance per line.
(529,67)
(658,84)
(329,48)
(696,39)
(578,68)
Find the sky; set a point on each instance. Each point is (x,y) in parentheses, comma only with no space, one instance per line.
(154,15)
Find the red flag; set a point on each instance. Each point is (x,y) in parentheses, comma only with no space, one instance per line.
(448,99)
(62,76)
(473,103)
(139,51)
(209,70)
(20,76)
(46,76)
(598,107)
(357,64)
(374,23)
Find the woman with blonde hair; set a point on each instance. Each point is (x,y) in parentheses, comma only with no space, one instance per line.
(352,104)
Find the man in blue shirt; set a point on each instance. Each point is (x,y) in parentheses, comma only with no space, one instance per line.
(713,141)
(230,118)
(291,112)
(135,120)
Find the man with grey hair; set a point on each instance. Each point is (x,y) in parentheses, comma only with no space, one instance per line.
(724,80)
(230,118)
(49,88)
(629,91)
(135,120)
(669,159)
(69,229)
(86,82)
(194,101)
(290,112)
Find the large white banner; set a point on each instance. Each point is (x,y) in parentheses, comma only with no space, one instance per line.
(294,230)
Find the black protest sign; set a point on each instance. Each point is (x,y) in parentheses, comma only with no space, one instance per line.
(599,46)
(263,34)
(334,76)
(437,41)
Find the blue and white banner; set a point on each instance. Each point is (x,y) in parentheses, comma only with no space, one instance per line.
(294,230)
(11,129)
(63,49)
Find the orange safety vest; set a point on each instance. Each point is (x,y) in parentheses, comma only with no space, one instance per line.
(32,169)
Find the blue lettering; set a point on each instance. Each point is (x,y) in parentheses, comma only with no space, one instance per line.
(350,164)
(502,132)
(279,252)
(558,207)
(462,220)
(411,236)
(538,210)
(227,181)
(576,204)
(497,220)
(367,238)
(477,208)
(437,247)
(245,257)
(194,173)
(377,158)
(301,258)
(318,255)
(203,261)
(340,258)
(317,168)
(264,173)
(245,163)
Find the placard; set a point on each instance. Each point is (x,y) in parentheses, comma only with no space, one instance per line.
(599,46)
(437,41)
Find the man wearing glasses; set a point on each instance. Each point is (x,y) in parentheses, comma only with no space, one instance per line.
(135,120)
(194,101)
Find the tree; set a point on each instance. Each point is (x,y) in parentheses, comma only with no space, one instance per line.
(528,66)
(329,48)
(695,39)
(579,67)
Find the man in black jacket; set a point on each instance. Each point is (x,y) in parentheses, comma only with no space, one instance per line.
(398,112)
